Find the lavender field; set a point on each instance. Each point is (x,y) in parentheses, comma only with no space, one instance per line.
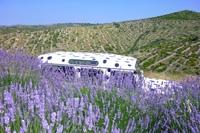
(37,98)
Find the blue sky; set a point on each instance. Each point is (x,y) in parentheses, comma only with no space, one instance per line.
(34,12)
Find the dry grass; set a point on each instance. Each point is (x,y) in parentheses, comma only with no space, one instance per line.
(176,77)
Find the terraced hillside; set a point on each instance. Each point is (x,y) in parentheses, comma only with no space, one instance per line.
(169,43)
(50,26)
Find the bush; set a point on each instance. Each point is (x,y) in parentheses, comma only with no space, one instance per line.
(193,37)
(54,45)
(171,60)
(117,25)
(146,64)
(108,48)
(94,27)
(185,68)
(161,67)
(191,62)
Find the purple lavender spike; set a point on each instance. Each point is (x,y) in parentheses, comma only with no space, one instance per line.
(53,117)
(59,129)
(7,129)
(6,119)
(24,126)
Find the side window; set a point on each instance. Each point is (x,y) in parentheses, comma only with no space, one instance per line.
(49,58)
(116,64)
(104,61)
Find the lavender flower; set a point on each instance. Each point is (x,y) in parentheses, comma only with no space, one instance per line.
(12,114)
(24,126)
(45,124)
(59,129)
(7,129)
(106,122)
(6,119)
(1,108)
(8,98)
(53,117)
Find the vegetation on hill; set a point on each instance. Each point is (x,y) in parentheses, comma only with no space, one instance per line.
(168,44)
(50,26)
(182,15)
(16,30)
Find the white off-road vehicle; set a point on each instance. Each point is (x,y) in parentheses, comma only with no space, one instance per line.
(101,61)
(105,62)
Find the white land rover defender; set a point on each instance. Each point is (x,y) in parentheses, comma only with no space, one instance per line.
(103,61)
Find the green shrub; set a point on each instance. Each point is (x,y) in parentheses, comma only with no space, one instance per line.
(54,45)
(191,62)
(196,28)
(146,64)
(117,25)
(193,37)
(108,48)
(185,68)
(171,60)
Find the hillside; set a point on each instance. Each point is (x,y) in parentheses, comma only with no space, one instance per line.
(50,26)
(31,28)
(182,15)
(169,43)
